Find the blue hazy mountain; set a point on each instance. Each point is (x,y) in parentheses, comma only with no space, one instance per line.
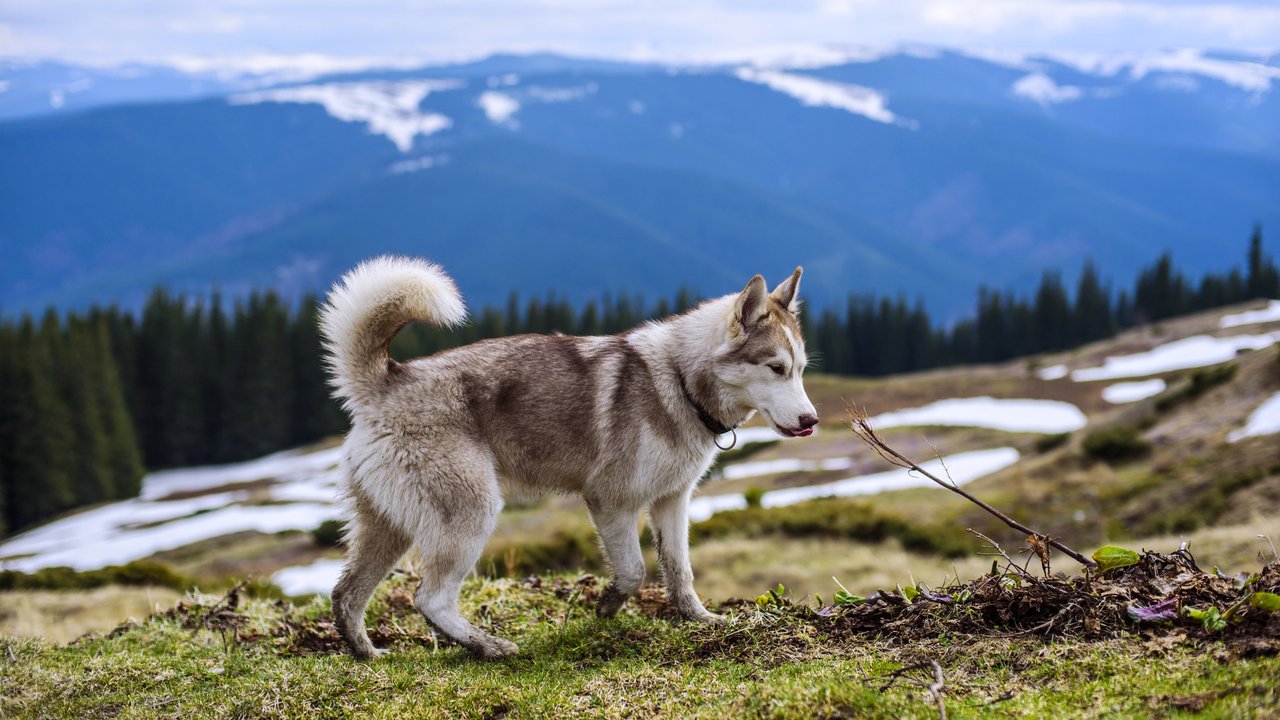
(927,173)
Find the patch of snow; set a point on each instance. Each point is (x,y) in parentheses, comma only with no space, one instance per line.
(1195,351)
(1127,392)
(304,491)
(498,107)
(1252,76)
(561,94)
(319,577)
(387,108)
(287,466)
(963,468)
(502,80)
(1270,313)
(1041,88)
(813,92)
(1053,372)
(423,163)
(96,539)
(783,465)
(1012,59)
(1040,416)
(1264,420)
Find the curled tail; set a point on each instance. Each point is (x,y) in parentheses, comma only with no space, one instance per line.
(365,310)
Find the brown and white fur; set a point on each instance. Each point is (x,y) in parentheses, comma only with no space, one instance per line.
(436,443)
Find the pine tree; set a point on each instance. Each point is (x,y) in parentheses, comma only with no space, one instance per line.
(315,414)
(1264,279)
(41,445)
(8,350)
(1091,315)
(262,391)
(124,456)
(92,479)
(1052,311)
(589,322)
(170,418)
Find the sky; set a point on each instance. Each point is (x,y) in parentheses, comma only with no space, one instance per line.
(353,33)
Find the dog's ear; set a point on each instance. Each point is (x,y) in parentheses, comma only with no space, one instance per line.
(752,304)
(788,291)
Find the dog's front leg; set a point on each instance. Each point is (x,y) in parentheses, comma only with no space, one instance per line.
(620,534)
(669,517)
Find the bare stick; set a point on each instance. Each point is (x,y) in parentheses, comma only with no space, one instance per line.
(936,687)
(1000,550)
(861,426)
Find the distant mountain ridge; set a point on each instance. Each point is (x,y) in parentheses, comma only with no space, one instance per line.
(921,171)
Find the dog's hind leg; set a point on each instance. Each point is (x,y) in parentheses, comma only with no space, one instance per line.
(461,513)
(670,520)
(373,546)
(620,534)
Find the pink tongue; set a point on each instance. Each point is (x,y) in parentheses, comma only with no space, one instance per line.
(803,433)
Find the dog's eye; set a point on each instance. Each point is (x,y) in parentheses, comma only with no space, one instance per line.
(777,368)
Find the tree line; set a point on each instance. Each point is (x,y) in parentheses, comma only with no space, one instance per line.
(879,336)
(87,400)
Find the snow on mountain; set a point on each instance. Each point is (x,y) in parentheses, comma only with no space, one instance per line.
(180,507)
(387,108)
(561,94)
(739,471)
(1041,88)
(961,468)
(498,107)
(1192,352)
(1012,415)
(1270,313)
(1264,420)
(1245,75)
(813,92)
(1127,392)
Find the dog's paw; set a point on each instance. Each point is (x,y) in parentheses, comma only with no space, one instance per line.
(370,653)
(611,601)
(709,618)
(492,648)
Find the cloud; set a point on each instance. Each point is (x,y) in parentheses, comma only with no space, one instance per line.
(118,30)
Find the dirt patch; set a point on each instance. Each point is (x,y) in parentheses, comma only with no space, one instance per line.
(1159,596)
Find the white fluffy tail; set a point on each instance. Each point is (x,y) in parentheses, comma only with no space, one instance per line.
(365,310)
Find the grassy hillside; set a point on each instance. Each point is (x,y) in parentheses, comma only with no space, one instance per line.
(1187,483)
(1020,646)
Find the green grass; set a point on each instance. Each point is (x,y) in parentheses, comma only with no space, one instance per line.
(576,547)
(762,664)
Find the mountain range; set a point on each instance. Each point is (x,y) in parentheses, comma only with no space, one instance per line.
(919,171)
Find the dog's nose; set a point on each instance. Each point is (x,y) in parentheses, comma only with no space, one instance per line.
(808,421)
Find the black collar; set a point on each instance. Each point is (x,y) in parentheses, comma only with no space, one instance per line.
(704,415)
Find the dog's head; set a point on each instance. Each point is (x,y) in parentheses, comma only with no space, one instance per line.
(764,365)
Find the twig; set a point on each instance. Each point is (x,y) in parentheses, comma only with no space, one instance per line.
(934,688)
(1274,554)
(861,427)
(1000,550)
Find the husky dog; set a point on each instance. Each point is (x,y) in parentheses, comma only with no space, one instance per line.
(628,421)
